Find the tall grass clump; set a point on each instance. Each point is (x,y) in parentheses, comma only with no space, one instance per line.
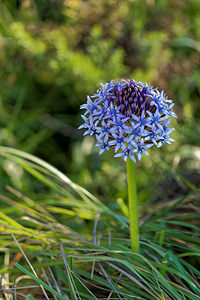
(50,248)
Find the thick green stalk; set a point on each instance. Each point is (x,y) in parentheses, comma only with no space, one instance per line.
(133,212)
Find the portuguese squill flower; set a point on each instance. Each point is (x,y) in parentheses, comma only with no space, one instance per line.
(129,116)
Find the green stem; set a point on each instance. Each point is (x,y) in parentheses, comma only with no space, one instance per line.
(133,213)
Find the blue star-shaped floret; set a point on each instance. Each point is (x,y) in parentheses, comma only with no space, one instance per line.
(156,118)
(152,135)
(91,107)
(90,125)
(119,124)
(103,144)
(119,141)
(165,139)
(105,130)
(133,131)
(142,120)
(140,147)
(127,152)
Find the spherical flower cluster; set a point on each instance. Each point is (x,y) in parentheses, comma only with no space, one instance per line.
(129,116)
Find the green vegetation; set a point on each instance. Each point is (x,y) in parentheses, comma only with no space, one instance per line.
(70,233)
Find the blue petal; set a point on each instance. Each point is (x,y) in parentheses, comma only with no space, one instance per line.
(132,157)
(119,154)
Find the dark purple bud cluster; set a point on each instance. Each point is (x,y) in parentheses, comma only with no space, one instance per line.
(130,99)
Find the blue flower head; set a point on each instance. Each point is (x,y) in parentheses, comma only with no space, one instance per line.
(128,116)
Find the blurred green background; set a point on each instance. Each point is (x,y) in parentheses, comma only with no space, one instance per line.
(55,52)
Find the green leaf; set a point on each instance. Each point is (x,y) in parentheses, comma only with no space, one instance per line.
(40,282)
(30,297)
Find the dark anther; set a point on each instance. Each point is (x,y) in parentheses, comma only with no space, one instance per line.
(128,113)
(121,99)
(130,99)
(141,100)
(147,105)
(126,103)
(122,108)
(133,107)
(117,101)
(142,107)
(115,90)
(110,99)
